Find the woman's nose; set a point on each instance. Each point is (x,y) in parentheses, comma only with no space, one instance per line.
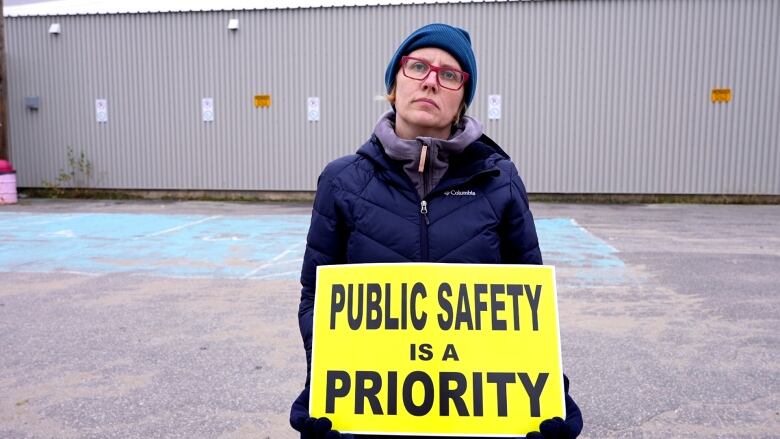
(430,80)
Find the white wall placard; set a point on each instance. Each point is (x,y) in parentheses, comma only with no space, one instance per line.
(313,104)
(207,109)
(101,110)
(494,107)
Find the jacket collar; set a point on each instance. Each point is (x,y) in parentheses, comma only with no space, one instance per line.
(478,158)
(408,150)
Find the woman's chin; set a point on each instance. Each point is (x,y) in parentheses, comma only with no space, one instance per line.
(425,119)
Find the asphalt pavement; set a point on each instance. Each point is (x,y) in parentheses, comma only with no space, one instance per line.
(669,320)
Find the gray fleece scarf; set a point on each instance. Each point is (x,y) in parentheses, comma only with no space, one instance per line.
(437,151)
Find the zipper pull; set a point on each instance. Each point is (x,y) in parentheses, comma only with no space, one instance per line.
(423,157)
(424,211)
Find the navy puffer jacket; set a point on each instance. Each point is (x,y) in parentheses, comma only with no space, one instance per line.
(366,210)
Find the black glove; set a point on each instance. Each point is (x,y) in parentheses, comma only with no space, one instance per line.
(557,428)
(312,428)
(321,428)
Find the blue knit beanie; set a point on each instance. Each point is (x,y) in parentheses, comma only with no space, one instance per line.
(453,40)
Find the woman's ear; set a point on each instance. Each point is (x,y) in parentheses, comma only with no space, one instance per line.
(461,112)
(391,96)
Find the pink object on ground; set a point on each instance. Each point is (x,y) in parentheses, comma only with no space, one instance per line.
(5,166)
(7,183)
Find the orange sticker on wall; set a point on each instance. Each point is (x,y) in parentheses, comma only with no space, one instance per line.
(719,95)
(263,101)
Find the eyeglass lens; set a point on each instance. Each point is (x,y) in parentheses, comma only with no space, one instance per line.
(451,79)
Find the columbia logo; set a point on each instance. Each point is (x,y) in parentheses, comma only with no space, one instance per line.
(461,193)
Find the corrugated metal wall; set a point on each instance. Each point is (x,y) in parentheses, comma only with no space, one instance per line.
(598,96)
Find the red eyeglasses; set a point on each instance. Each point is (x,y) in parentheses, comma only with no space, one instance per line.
(447,77)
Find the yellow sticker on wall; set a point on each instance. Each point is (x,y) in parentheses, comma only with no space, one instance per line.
(721,95)
(262,101)
(436,349)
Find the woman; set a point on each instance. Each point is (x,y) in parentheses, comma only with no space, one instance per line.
(428,186)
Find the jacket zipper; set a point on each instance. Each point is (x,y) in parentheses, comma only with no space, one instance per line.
(424,230)
(423,169)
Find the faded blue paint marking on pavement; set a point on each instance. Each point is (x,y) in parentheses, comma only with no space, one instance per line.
(166,245)
(564,242)
(256,247)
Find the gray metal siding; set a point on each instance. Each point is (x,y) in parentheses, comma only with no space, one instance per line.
(598,96)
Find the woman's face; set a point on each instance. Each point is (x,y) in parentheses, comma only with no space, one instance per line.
(423,108)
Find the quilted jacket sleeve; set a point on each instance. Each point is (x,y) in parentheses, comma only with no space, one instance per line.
(325,245)
(519,243)
(573,414)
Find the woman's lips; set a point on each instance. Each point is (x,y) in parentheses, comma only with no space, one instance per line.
(427,101)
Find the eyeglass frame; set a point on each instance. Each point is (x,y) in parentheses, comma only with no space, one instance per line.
(433,68)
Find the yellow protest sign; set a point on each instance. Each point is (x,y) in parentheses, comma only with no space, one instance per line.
(448,349)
